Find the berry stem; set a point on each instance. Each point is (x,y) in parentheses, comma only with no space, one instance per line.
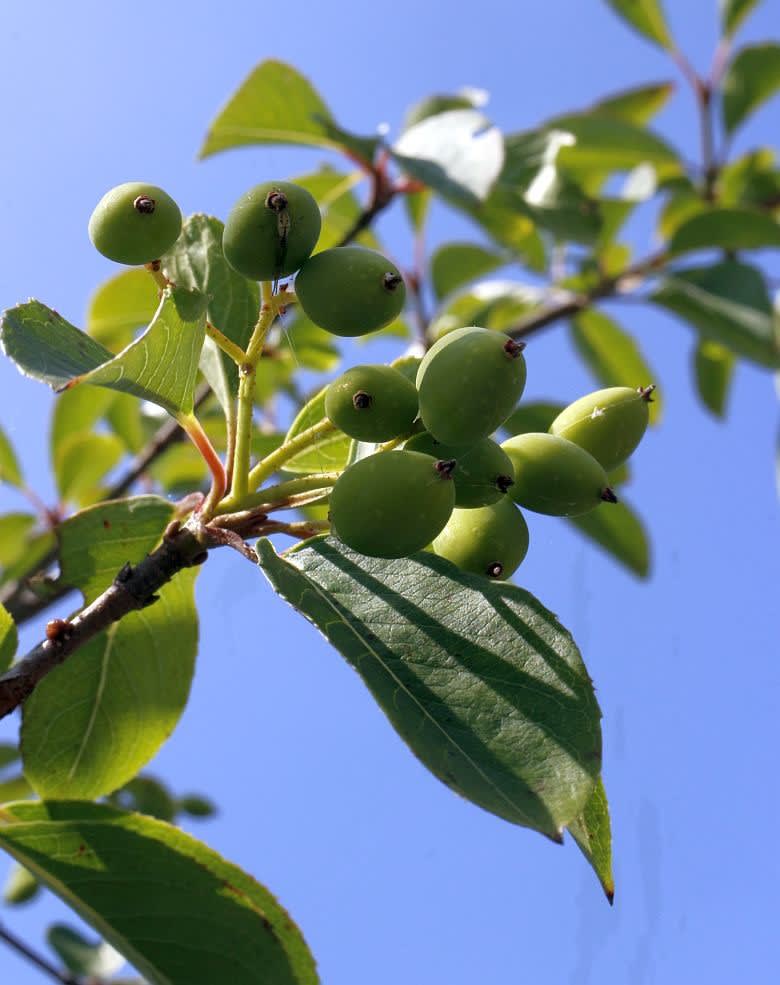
(235,352)
(200,439)
(157,275)
(288,450)
(272,495)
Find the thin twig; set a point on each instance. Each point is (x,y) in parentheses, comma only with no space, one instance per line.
(18,945)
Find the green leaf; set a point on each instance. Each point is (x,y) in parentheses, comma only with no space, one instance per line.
(480,680)
(38,544)
(752,180)
(146,795)
(726,229)
(330,453)
(646,17)
(76,410)
(728,303)
(752,78)
(417,205)
(161,365)
(46,347)
(124,418)
(95,720)
(9,753)
(10,470)
(713,367)
(458,154)
(14,788)
(8,639)
(277,105)
(592,833)
(532,417)
(620,532)
(15,529)
(638,105)
(120,306)
(456,264)
(308,345)
(196,261)
(496,304)
(196,806)
(20,887)
(84,460)
(604,143)
(338,206)
(81,956)
(733,12)
(219,924)
(613,356)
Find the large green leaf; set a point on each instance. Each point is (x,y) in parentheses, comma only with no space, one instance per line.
(160,365)
(459,154)
(10,470)
(173,907)
(456,264)
(8,639)
(85,461)
(620,532)
(480,680)
(726,229)
(612,355)
(593,834)
(713,369)
(121,305)
(646,17)
(727,302)
(751,79)
(733,12)
(95,720)
(326,455)
(196,261)
(497,304)
(277,105)
(15,529)
(638,105)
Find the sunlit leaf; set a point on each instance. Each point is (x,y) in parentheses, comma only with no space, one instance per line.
(8,639)
(121,872)
(10,470)
(83,460)
(638,105)
(81,956)
(646,17)
(456,264)
(751,78)
(338,206)
(726,229)
(120,306)
(713,367)
(593,835)
(478,678)
(733,12)
(277,105)
(329,453)
(620,532)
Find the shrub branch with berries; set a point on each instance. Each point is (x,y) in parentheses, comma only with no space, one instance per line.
(401,485)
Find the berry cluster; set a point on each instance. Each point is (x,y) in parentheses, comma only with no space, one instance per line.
(440,480)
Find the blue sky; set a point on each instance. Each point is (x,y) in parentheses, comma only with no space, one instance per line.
(391,877)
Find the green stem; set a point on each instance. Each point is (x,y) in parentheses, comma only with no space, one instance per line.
(288,450)
(246,395)
(235,352)
(282,491)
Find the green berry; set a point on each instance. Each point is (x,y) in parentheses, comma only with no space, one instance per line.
(372,403)
(271,230)
(392,504)
(484,471)
(490,541)
(469,382)
(350,290)
(555,476)
(135,223)
(608,423)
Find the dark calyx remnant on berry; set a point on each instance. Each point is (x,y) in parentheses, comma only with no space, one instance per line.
(362,400)
(513,349)
(392,281)
(144,205)
(495,570)
(646,392)
(608,495)
(276,201)
(446,467)
(503,482)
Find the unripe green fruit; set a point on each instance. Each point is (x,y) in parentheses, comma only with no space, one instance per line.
(555,476)
(490,541)
(483,473)
(392,504)
(135,223)
(372,403)
(271,230)
(608,423)
(350,290)
(21,886)
(468,383)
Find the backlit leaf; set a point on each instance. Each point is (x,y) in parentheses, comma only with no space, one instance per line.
(646,17)
(593,835)
(330,453)
(726,229)
(751,78)
(10,470)
(456,264)
(713,368)
(733,12)
(619,531)
(120,306)
(8,639)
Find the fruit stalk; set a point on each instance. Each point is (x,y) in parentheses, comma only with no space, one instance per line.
(288,450)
